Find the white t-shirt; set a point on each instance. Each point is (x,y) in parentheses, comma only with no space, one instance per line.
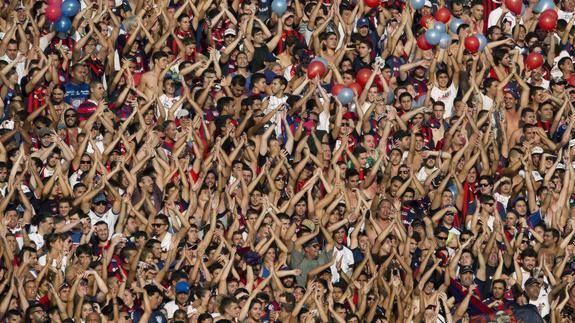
(172,307)
(565,15)
(42,262)
(38,239)
(494,18)
(167,103)
(274,102)
(109,217)
(20,67)
(445,96)
(166,242)
(346,257)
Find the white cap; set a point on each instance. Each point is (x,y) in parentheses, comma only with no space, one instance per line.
(571,143)
(428,4)
(536,176)
(230,31)
(560,166)
(536,150)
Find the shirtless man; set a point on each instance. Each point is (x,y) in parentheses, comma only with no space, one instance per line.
(527,117)
(149,83)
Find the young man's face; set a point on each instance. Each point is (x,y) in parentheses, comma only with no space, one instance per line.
(277,87)
(3,174)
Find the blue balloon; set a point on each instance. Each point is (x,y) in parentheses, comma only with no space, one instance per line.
(70,8)
(454,24)
(482,41)
(345,96)
(417,4)
(279,7)
(63,24)
(440,27)
(432,36)
(523,8)
(322,60)
(445,41)
(544,5)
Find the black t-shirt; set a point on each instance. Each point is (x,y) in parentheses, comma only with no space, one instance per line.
(260,54)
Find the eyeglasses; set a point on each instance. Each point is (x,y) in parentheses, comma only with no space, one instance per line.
(100,203)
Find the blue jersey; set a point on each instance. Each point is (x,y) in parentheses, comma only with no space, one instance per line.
(76,94)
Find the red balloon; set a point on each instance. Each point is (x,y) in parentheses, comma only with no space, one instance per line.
(336,88)
(425,20)
(315,68)
(552,13)
(422,43)
(372,3)
(57,3)
(534,60)
(357,88)
(443,15)
(363,75)
(379,84)
(53,13)
(548,20)
(514,6)
(471,44)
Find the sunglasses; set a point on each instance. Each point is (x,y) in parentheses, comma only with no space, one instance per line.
(484,184)
(441,238)
(85,161)
(101,203)
(70,115)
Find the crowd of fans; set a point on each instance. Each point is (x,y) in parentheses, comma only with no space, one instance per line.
(171,161)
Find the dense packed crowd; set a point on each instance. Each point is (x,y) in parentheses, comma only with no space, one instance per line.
(300,161)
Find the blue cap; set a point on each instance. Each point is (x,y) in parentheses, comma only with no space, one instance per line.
(99,198)
(363,22)
(182,288)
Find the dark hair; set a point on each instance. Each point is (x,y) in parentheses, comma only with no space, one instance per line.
(158,55)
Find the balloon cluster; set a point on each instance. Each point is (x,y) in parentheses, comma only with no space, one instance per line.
(60,12)
(344,94)
(279,7)
(436,33)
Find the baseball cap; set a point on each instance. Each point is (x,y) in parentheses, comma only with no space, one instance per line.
(99,198)
(558,81)
(44,132)
(230,31)
(308,224)
(536,150)
(182,288)
(362,22)
(560,166)
(428,4)
(311,242)
(531,281)
(466,269)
